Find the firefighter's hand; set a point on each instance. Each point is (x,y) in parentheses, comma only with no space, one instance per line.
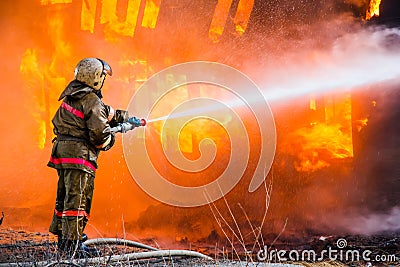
(110,145)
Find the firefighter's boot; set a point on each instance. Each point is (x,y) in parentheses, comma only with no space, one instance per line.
(74,248)
(84,251)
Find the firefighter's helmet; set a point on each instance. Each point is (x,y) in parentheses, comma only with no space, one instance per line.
(92,71)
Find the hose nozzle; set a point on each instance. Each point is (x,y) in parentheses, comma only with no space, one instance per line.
(130,124)
(137,122)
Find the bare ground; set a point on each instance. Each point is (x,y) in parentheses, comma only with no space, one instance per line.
(23,248)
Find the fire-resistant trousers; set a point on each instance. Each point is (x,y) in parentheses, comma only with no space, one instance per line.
(73,203)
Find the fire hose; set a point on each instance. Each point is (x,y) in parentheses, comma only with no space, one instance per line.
(118,241)
(129,257)
(154,253)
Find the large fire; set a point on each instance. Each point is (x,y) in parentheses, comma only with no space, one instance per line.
(317,129)
(373,9)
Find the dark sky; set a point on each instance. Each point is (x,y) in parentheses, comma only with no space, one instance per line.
(390,12)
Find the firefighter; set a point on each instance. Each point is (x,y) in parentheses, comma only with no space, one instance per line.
(82,125)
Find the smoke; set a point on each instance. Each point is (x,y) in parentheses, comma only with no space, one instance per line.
(373,223)
(350,62)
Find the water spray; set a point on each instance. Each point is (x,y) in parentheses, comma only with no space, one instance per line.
(210,107)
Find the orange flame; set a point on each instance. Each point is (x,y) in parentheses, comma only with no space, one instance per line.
(316,145)
(219,19)
(360,124)
(109,14)
(373,9)
(34,78)
(44,82)
(243,15)
(221,14)
(150,15)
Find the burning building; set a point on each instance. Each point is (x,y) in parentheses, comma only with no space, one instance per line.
(330,76)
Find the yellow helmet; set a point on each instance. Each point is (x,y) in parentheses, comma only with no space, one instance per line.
(92,72)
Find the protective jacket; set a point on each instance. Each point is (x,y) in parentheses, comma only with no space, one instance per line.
(82,127)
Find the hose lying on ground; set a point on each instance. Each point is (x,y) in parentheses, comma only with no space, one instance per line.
(153,254)
(117,241)
(133,257)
